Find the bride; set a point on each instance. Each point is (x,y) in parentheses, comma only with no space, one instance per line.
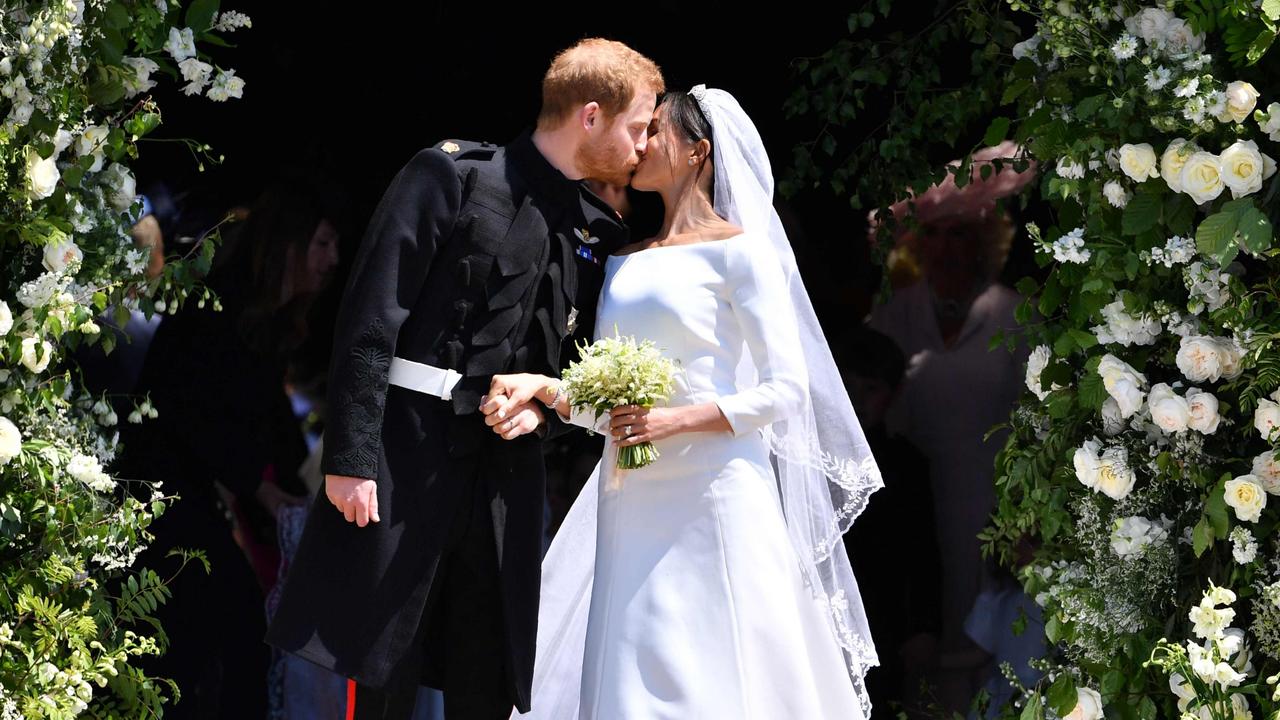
(713,582)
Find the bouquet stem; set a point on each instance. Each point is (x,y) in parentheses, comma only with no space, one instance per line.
(631,457)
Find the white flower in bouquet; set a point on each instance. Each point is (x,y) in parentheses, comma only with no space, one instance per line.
(62,254)
(1133,535)
(10,441)
(1232,644)
(1158,77)
(1088,705)
(1179,38)
(1151,24)
(1104,470)
(1216,105)
(1173,159)
(1177,250)
(87,469)
(225,86)
(62,139)
(1245,495)
(1036,363)
(1123,383)
(1269,121)
(1266,418)
(1201,177)
(1112,421)
(1125,47)
(6,318)
(1244,168)
(1207,287)
(181,44)
(1241,99)
(121,187)
(1203,409)
(1195,109)
(1115,194)
(42,290)
(1267,469)
(1187,87)
(92,142)
(1124,329)
(197,75)
(1070,248)
(36,354)
(42,175)
(1209,620)
(1169,412)
(140,81)
(1202,358)
(615,371)
(1070,169)
(230,21)
(1244,548)
(1139,162)
(1027,48)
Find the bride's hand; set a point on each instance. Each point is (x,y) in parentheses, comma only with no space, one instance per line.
(644,424)
(508,392)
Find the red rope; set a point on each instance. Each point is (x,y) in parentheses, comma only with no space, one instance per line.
(351,699)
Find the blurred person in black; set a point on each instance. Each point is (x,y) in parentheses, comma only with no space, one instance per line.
(225,423)
(903,581)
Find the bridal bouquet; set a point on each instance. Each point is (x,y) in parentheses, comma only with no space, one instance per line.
(620,371)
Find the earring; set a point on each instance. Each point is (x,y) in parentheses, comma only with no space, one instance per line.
(691,161)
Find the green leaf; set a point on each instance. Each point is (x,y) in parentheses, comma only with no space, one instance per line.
(200,15)
(1032,710)
(1062,694)
(996,131)
(1201,536)
(1216,237)
(1112,682)
(1092,393)
(1141,214)
(1063,346)
(1179,213)
(1215,509)
(1271,8)
(1255,230)
(116,16)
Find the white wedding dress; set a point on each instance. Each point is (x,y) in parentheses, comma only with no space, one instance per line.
(699,609)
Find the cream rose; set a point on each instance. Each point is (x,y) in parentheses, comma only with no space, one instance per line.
(1088,706)
(62,254)
(1200,358)
(93,143)
(1174,157)
(42,175)
(122,187)
(1203,409)
(36,354)
(1246,496)
(10,441)
(1169,411)
(1112,420)
(1242,98)
(1107,472)
(1244,168)
(1123,383)
(1267,469)
(1201,177)
(1139,162)
(1266,418)
(6,318)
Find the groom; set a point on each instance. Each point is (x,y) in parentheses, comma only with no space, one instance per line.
(421,564)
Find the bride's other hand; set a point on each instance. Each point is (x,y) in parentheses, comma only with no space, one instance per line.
(633,424)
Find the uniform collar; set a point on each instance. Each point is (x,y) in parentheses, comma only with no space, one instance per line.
(541,175)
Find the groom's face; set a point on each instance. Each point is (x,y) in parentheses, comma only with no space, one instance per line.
(615,144)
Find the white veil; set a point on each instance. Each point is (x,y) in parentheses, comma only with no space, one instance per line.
(825,469)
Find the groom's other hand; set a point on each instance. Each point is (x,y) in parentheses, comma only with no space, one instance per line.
(356,498)
(523,419)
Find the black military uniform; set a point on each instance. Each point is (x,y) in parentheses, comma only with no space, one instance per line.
(485,260)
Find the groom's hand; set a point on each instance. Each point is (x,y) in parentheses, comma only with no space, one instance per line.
(520,420)
(356,498)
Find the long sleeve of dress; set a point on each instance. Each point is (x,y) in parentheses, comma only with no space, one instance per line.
(759,296)
(415,215)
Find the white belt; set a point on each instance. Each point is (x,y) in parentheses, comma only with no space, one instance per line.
(423,378)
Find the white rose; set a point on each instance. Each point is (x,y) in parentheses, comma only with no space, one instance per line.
(62,254)
(10,441)
(1139,162)
(1230,355)
(1171,162)
(1088,705)
(1200,358)
(1179,38)
(1242,98)
(123,187)
(1201,177)
(36,354)
(1036,364)
(93,142)
(1269,122)
(1203,408)
(1246,496)
(6,318)
(1266,418)
(1169,412)
(1267,469)
(1115,194)
(1086,462)
(1112,421)
(1150,24)
(1122,383)
(1114,477)
(61,141)
(42,175)
(1242,168)
(83,467)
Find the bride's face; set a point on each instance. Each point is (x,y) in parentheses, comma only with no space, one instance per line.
(665,160)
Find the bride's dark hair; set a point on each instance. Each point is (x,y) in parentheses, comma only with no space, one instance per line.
(686,118)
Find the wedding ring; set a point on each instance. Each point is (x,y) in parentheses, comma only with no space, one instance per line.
(626,430)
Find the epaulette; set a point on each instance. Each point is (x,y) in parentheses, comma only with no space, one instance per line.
(467,149)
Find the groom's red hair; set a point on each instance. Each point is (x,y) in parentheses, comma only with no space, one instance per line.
(595,70)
